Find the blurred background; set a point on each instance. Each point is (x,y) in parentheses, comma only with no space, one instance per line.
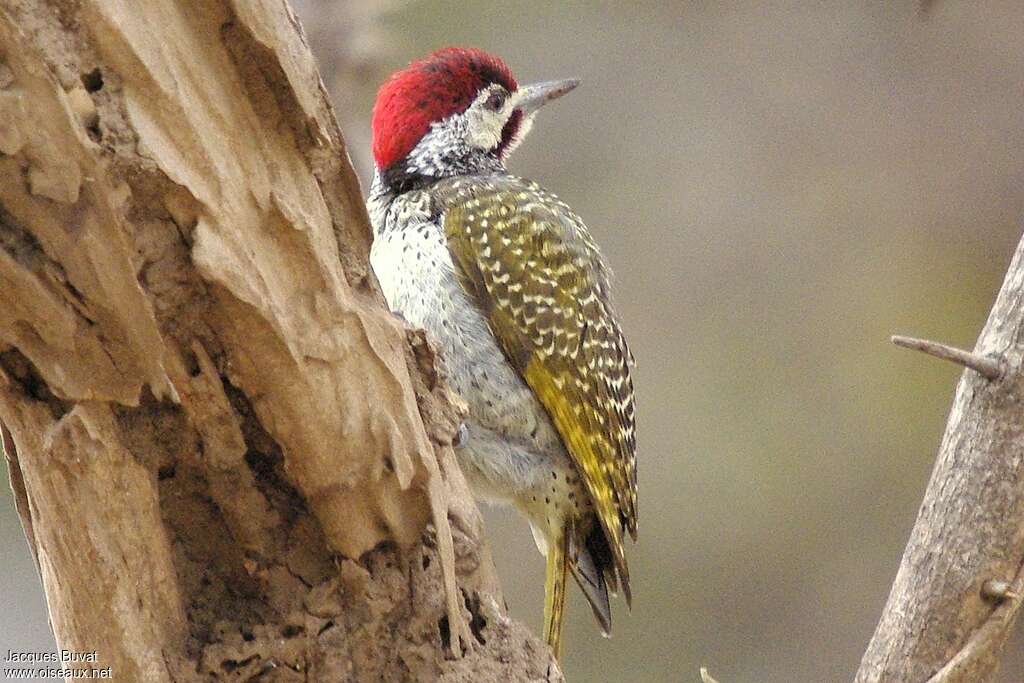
(779,186)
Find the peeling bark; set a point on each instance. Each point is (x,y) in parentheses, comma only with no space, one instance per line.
(225,452)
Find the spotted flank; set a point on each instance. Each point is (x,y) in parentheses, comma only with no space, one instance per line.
(535,268)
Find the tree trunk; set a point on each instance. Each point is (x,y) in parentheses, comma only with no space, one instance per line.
(225,452)
(958,589)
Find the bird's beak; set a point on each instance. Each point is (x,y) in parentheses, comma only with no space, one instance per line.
(532,97)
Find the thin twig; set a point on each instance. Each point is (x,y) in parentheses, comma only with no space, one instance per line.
(991,631)
(705,677)
(986,366)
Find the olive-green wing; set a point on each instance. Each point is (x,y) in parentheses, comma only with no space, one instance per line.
(540,279)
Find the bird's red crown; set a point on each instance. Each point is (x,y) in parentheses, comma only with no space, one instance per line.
(441,84)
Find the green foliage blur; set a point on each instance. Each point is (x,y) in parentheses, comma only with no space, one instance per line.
(779,186)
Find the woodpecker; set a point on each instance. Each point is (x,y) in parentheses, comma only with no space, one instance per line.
(507,281)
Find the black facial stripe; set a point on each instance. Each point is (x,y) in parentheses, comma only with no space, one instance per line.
(508,133)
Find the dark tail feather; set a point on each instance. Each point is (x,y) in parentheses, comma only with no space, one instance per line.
(593,568)
(592,583)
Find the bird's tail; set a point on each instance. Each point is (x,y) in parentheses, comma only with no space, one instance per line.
(593,568)
(554,593)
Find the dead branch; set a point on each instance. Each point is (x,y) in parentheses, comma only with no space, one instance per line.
(987,367)
(224,450)
(940,623)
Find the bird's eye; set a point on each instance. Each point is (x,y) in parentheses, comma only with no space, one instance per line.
(495,101)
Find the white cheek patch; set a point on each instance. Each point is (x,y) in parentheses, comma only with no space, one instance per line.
(484,128)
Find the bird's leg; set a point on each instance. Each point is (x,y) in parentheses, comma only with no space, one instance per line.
(462,513)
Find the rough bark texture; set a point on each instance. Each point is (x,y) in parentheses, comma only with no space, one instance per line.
(938,623)
(225,452)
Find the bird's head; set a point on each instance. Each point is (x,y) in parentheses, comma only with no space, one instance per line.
(454,112)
